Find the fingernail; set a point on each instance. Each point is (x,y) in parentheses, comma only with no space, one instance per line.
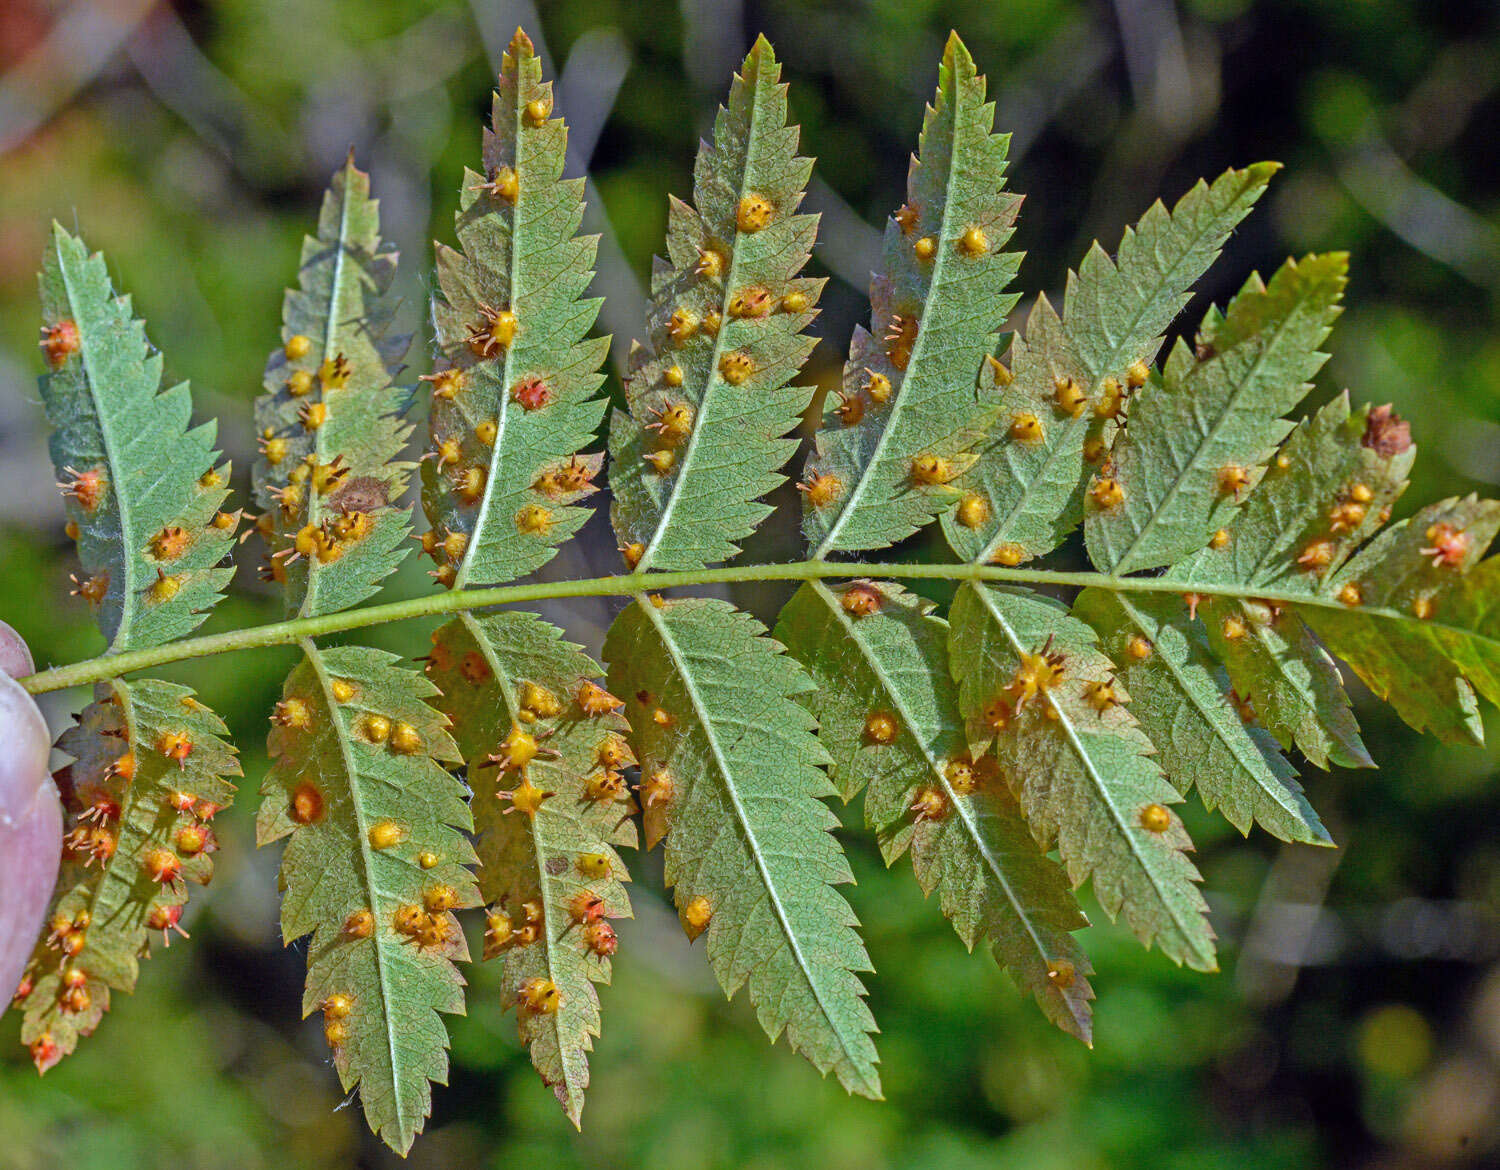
(30,829)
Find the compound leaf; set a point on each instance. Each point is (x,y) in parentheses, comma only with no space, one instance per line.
(329,420)
(149,772)
(1032,680)
(1069,374)
(708,401)
(1199,435)
(876,653)
(884,461)
(374,867)
(517,397)
(748,847)
(1181,698)
(143,488)
(551,875)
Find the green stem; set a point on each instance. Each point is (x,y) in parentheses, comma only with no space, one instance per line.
(109,666)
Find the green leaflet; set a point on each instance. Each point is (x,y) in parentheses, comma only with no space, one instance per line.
(1083,775)
(329,420)
(357,784)
(709,401)
(142,486)
(1180,695)
(1412,569)
(501,671)
(992,879)
(1115,314)
(954,299)
(1213,418)
(1297,516)
(715,708)
(518,397)
(140,814)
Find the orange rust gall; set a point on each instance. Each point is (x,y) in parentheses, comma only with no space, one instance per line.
(174,746)
(300,384)
(1107,493)
(682,324)
(531,393)
(1026,428)
(445,383)
(794,302)
(297,347)
(1316,555)
(672,423)
(1069,396)
(1232,628)
(929,804)
(170,543)
(1350,594)
(1446,545)
(736,366)
(439,899)
(164,588)
(753,213)
(656,788)
(1345,516)
(1155,818)
(861,599)
(502,184)
(162,865)
(312,415)
(973,511)
(1009,554)
(672,376)
(405,739)
(594,866)
(929,469)
(710,264)
(1093,449)
(1233,479)
(94,590)
(1220,539)
(534,520)
(376,728)
(307,803)
(878,387)
(900,339)
(1060,974)
(752,302)
(87,488)
(538,702)
(493,333)
(474,668)
(538,108)
(880,727)
(293,713)
(59,342)
(334,372)
(360,924)
(632,553)
(906,218)
(470,485)
(1101,695)
(385,835)
(595,700)
(586,906)
(1111,399)
(696,916)
(1137,374)
(338,1006)
(612,752)
(70,530)
(192,840)
(1423,607)
(1139,648)
(974,242)
(538,997)
(821,490)
(600,939)
(961,775)
(925,248)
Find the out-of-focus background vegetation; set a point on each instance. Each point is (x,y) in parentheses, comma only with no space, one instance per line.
(1357,1019)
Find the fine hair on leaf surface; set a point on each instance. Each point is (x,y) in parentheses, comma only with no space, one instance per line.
(1034,732)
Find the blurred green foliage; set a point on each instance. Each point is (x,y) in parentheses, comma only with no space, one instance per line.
(1358,1018)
